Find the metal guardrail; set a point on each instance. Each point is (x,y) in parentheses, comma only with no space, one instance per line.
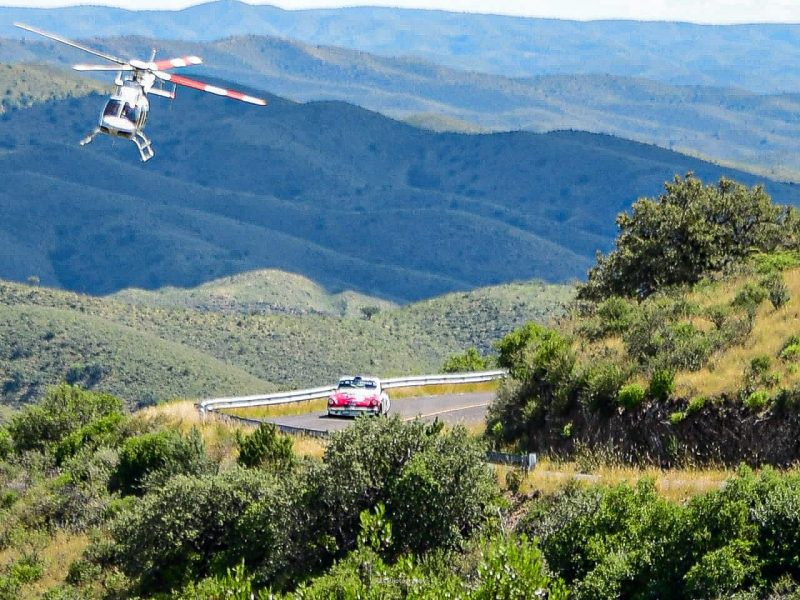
(314,393)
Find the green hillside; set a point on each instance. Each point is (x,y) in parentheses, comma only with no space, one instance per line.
(181,347)
(682,347)
(22,85)
(345,197)
(269,291)
(44,345)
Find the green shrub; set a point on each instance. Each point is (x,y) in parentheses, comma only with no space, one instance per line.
(677,417)
(777,290)
(662,384)
(757,400)
(159,455)
(775,262)
(690,230)
(696,404)
(6,444)
(515,569)
(266,447)
(467,362)
(105,431)
(791,349)
(719,314)
(759,365)
(723,571)
(631,396)
(600,386)
(750,296)
(435,485)
(187,528)
(63,410)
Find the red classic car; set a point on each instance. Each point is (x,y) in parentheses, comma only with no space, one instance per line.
(358,395)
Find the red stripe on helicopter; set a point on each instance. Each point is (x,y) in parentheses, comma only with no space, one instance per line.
(172,63)
(212,89)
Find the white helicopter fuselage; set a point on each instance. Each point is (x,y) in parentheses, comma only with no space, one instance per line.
(126,111)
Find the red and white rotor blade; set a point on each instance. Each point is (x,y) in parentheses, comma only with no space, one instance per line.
(174,63)
(102,68)
(211,89)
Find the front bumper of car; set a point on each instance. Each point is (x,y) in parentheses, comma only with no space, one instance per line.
(352,411)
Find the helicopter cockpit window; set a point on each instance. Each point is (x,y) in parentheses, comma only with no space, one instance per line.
(131,112)
(112,108)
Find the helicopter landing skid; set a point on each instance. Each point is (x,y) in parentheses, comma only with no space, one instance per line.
(89,138)
(144,145)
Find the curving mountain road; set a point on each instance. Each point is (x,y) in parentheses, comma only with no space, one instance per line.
(452,408)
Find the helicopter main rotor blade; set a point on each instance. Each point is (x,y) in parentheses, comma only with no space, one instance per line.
(103,68)
(58,38)
(211,89)
(173,63)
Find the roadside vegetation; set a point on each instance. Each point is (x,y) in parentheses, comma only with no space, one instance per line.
(97,503)
(682,345)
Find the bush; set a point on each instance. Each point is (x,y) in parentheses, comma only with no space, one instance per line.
(515,569)
(757,400)
(468,362)
(63,410)
(600,386)
(696,404)
(266,447)
(777,290)
(723,571)
(631,396)
(155,457)
(719,314)
(662,384)
(6,444)
(750,297)
(434,484)
(688,231)
(791,349)
(187,528)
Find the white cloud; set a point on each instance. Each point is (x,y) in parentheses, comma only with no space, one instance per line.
(698,11)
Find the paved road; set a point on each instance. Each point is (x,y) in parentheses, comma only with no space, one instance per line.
(453,408)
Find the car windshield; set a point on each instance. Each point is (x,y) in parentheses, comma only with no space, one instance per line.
(357,382)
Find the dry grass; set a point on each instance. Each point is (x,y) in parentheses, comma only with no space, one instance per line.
(725,372)
(219,436)
(56,553)
(309,447)
(677,485)
(281,410)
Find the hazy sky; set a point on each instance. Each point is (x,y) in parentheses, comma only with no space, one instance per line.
(699,11)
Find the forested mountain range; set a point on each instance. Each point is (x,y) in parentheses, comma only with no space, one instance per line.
(741,128)
(344,196)
(761,58)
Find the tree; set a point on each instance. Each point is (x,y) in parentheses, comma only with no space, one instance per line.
(370,311)
(688,231)
(467,362)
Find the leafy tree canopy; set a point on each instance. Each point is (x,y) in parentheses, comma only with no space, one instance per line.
(688,231)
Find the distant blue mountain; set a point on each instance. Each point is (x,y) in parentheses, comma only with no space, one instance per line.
(761,58)
(342,195)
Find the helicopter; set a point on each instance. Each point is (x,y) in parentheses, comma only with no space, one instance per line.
(125,112)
